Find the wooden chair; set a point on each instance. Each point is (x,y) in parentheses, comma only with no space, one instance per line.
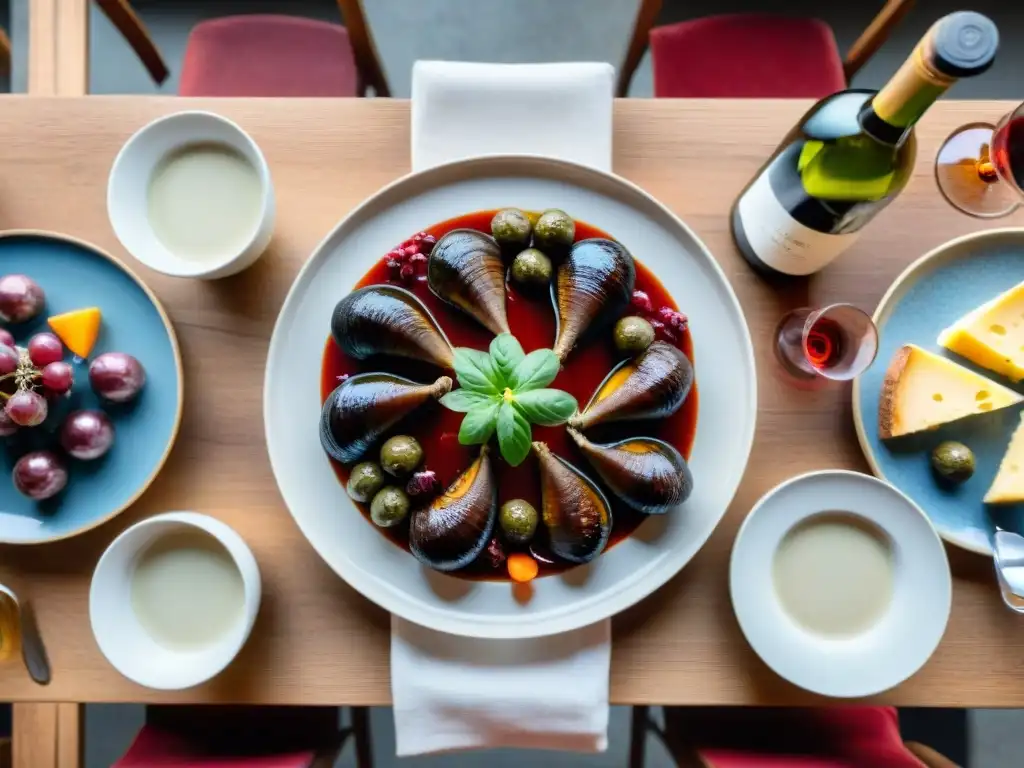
(750,55)
(702,737)
(265,55)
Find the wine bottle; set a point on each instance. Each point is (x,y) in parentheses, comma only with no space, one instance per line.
(851,154)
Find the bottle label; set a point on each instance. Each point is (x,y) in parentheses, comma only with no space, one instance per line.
(779,240)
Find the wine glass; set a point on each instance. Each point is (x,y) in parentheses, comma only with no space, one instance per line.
(837,342)
(980,167)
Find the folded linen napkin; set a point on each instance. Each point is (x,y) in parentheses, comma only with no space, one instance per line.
(463,693)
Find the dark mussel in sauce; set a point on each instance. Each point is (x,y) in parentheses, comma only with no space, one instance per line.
(647,474)
(592,289)
(653,386)
(465,269)
(365,406)
(451,532)
(575,512)
(388,320)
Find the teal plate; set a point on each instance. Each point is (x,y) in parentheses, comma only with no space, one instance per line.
(930,295)
(74,274)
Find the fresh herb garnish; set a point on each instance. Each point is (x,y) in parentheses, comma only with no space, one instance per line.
(505,391)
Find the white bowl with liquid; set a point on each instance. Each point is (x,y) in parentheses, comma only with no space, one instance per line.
(840,583)
(190,195)
(173,600)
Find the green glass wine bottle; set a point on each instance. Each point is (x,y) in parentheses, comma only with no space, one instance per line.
(851,155)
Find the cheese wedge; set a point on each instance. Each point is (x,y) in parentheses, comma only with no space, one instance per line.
(1008,487)
(992,335)
(922,390)
(77,329)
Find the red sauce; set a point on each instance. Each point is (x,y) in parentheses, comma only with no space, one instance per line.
(532,321)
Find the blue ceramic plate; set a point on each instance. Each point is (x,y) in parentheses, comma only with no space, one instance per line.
(930,295)
(74,274)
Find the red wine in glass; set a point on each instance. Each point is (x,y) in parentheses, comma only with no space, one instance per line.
(836,342)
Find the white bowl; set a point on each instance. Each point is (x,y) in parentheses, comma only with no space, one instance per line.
(122,639)
(629,571)
(889,651)
(128,192)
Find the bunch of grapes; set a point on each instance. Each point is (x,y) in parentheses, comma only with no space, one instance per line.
(35,376)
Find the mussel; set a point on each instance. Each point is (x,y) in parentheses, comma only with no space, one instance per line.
(458,524)
(575,512)
(647,474)
(465,269)
(365,406)
(652,386)
(388,320)
(592,289)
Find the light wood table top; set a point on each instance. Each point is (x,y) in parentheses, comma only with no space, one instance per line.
(317,641)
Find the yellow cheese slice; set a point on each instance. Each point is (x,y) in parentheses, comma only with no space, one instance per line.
(1008,487)
(922,390)
(992,335)
(77,329)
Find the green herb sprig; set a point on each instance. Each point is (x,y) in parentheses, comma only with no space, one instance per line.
(505,391)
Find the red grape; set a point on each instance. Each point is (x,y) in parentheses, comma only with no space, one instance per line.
(21,298)
(116,376)
(8,359)
(27,408)
(87,435)
(40,475)
(58,377)
(7,427)
(45,348)
(6,338)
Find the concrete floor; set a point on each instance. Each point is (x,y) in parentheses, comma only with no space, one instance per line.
(513,31)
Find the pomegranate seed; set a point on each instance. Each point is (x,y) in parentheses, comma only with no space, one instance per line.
(427,244)
(418,236)
(495,554)
(411,250)
(422,482)
(407,272)
(419,263)
(663,332)
(677,320)
(343,377)
(641,302)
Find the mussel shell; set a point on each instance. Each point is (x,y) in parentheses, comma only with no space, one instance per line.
(576,514)
(365,406)
(592,289)
(653,386)
(649,475)
(451,532)
(388,320)
(465,269)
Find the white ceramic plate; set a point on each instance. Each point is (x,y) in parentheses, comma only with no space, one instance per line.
(896,646)
(631,570)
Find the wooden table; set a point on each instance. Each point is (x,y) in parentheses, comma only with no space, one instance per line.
(317,641)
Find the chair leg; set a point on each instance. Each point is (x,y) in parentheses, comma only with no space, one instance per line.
(361,734)
(638,737)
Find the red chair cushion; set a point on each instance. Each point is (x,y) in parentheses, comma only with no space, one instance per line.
(157,748)
(746,56)
(268,55)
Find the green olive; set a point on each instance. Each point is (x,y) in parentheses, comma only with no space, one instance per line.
(554,231)
(366,479)
(512,229)
(953,461)
(400,455)
(518,521)
(531,267)
(389,507)
(633,335)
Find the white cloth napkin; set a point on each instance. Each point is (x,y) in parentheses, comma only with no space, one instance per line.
(453,692)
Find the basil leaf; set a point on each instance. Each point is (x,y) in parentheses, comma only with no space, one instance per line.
(547,407)
(475,371)
(464,400)
(513,434)
(536,370)
(478,425)
(506,354)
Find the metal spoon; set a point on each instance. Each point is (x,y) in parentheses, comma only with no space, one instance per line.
(23,619)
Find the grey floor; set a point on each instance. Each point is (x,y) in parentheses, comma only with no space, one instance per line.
(513,31)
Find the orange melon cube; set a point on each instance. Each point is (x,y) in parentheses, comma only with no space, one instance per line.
(78,329)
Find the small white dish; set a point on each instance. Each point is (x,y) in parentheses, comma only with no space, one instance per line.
(120,635)
(906,634)
(128,193)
